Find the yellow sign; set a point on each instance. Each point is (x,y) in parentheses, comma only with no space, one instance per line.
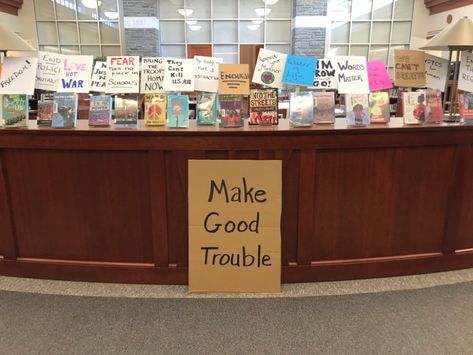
(235,226)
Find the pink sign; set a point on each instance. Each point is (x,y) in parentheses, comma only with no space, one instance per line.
(378,76)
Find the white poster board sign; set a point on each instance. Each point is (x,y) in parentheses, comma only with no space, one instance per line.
(75,74)
(152,75)
(18,75)
(49,70)
(206,73)
(352,75)
(99,77)
(437,69)
(269,68)
(179,74)
(123,75)
(325,76)
(465,79)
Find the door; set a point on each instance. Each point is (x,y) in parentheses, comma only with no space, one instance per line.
(249,54)
(199,49)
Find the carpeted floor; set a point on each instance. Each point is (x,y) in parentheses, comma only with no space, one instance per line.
(436,320)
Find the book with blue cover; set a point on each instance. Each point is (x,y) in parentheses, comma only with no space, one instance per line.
(126,111)
(206,108)
(65,110)
(301,109)
(177,111)
(100,110)
(15,111)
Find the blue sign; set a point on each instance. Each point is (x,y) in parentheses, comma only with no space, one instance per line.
(299,70)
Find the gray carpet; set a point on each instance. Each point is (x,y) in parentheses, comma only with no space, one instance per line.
(436,320)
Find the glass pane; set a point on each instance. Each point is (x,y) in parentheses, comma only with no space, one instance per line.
(89,33)
(87,9)
(47,33)
(225,9)
(168,9)
(199,33)
(91,50)
(109,10)
(379,52)
(338,50)
(359,51)
(382,9)
(281,9)
(178,51)
(109,32)
(380,33)
(229,53)
(340,32)
(52,49)
(111,50)
(172,31)
(65,10)
(403,9)
(360,32)
(361,10)
(201,8)
(251,8)
(70,50)
(281,48)
(278,31)
(225,31)
(391,54)
(251,33)
(340,10)
(68,32)
(401,32)
(44,10)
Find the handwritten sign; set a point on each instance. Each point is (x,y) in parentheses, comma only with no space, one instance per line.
(206,73)
(409,68)
(49,70)
(234,79)
(179,74)
(123,75)
(436,71)
(465,79)
(18,75)
(352,75)
(75,74)
(152,75)
(99,77)
(269,68)
(234,225)
(378,76)
(325,76)
(299,70)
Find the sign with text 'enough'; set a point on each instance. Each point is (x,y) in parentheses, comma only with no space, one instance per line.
(234,226)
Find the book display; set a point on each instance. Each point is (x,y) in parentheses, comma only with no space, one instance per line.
(15,111)
(45,110)
(357,108)
(414,107)
(126,111)
(155,109)
(230,111)
(324,107)
(434,110)
(177,111)
(301,109)
(100,111)
(65,110)
(263,107)
(206,108)
(379,107)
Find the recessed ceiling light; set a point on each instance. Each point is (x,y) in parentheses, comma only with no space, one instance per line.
(270,2)
(91,4)
(257,21)
(195,27)
(112,15)
(253,27)
(261,11)
(191,22)
(185,12)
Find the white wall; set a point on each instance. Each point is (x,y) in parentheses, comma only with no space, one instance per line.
(439,21)
(419,29)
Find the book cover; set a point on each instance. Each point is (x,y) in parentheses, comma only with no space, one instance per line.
(126,111)
(100,111)
(434,109)
(379,109)
(357,108)
(301,109)
(155,109)
(177,111)
(65,110)
(45,110)
(414,107)
(324,107)
(206,108)
(263,107)
(466,106)
(230,111)
(15,111)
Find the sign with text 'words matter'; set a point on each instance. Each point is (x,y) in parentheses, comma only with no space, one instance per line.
(234,225)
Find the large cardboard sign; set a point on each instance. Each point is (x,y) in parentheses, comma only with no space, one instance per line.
(152,75)
(352,75)
(75,74)
(234,225)
(234,79)
(49,70)
(179,74)
(18,75)
(325,76)
(269,68)
(206,73)
(465,80)
(299,70)
(378,76)
(123,75)
(436,71)
(99,77)
(409,68)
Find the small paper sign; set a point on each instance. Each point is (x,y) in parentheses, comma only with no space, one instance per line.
(465,79)
(18,75)
(352,75)
(409,68)
(436,71)
(206,73)
(299,70)
(378,76)
(123,75)
(179,74)
(152,75)
(325,76)
(99,76)
(234,79)
(49,70)
(75,74)
(269,68)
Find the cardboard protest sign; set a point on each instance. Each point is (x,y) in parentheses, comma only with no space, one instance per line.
(409,68)
(123,75)
(99,76)
(49,70)
(299,70)
(234,225)
(179,74)
(352,75)
(465,79)
(206,73)
(378,75)
(269,68)
(18,75)
(234,79)
(152,75)
(436,72)
(75,74)
(325,75)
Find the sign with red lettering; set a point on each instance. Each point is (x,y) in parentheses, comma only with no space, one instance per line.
(409,68)
(465,80)
(123,75)
(75,74)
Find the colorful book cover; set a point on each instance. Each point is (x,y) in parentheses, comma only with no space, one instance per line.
(126,111)
(466,106)
(45,110)
(155,109)
(100,111)
(414,107)
(357,108)
(263,107)
(379,109)
(65,110)
(206,108)
(301,109)
(177,111)
(434,110)
(15,111)
(230,111)
(324,107)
